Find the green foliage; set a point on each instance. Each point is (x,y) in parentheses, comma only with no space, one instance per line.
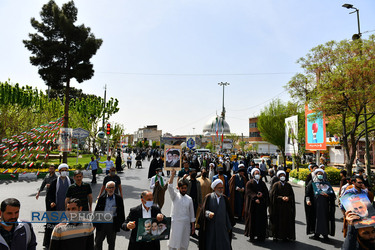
(210,146)
(139,144)
(293,173)
(62,50)
(242,145)
(338,80)
(333,175)
(303,173)
(154,144)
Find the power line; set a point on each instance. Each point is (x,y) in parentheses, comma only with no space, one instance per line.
(198,74)
(235,110)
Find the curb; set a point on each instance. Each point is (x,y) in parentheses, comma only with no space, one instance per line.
(296,181)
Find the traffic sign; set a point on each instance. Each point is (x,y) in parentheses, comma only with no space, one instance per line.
(80,133)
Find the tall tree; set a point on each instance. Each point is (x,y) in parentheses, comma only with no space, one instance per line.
(62,50)
(339,79)
(271,123)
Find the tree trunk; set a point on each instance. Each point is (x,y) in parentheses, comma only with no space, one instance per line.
(66,115)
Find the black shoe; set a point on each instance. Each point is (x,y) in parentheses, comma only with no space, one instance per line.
(252,239)
(275,240)
(325,238)
(314,237)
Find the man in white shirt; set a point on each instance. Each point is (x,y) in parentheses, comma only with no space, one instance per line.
(182,214)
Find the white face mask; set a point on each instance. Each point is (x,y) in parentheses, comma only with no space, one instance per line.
(282,178)
(257,176)
(160,173)
(64,173)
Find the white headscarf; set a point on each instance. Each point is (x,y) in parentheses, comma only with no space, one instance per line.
(241,165)
(280,172)
(253,170)
(214,184)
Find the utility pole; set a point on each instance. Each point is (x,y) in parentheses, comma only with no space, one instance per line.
(104,106)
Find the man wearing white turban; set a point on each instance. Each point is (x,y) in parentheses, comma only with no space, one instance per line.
(216,220)
(255,211)
(282,209)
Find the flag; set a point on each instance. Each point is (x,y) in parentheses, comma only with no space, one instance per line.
(217,127)
(13,175)
(14,164)
(222,129)
(5,171)
(37,173)
(15,171)
(13,156)
(37,156)
(31,164)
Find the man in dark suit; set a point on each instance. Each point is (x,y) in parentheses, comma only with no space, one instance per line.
(109,202)
(145,210)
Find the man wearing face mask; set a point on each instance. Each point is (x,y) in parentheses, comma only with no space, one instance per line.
(256,202)
(319,209)
(158,187)
(14,233)
(112,176)
(216,220)
(223,178)
(56,195)
(282,209)
(182,215)
(237,190)
(145,210)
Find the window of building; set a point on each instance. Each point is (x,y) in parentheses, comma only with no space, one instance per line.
(254,134)
(253,125)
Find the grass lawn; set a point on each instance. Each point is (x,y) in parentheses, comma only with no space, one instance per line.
(82,159)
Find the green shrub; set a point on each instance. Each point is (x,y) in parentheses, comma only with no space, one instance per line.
(293,173)
(333,175)
(303,173)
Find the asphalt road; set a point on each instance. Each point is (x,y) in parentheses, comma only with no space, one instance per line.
(134,181)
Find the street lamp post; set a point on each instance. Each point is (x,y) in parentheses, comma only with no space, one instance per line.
(355,37)
(223,112)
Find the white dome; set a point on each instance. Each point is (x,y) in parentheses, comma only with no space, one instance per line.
(210,126)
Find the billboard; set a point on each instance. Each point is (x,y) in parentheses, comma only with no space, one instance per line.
(315,130)
(190,142)
(291,135)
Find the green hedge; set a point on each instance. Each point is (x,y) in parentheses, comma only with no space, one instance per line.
(333,174)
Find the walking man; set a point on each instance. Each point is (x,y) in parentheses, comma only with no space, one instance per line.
(158,187)
(73,235)
(109,202)
(182,215)
(112,176)
(216,220)
(81,191)
(94,168)
(145,210)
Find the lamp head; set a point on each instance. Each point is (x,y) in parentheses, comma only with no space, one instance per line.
(348,6)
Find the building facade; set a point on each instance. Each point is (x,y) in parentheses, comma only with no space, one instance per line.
(256,140)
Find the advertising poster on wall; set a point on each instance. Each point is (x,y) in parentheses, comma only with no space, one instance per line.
(291,135)
(315,130)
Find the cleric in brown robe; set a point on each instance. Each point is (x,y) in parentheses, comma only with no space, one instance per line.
(237,184)
(256,202)
(282,209)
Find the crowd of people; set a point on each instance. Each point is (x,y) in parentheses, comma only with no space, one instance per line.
(211,194)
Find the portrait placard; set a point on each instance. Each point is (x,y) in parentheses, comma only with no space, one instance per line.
(150,229)
(361,205)
(172,157)
(322,186)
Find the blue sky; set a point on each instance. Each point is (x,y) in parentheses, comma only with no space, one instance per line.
(163,59)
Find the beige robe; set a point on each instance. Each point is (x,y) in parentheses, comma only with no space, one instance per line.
(205,189)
